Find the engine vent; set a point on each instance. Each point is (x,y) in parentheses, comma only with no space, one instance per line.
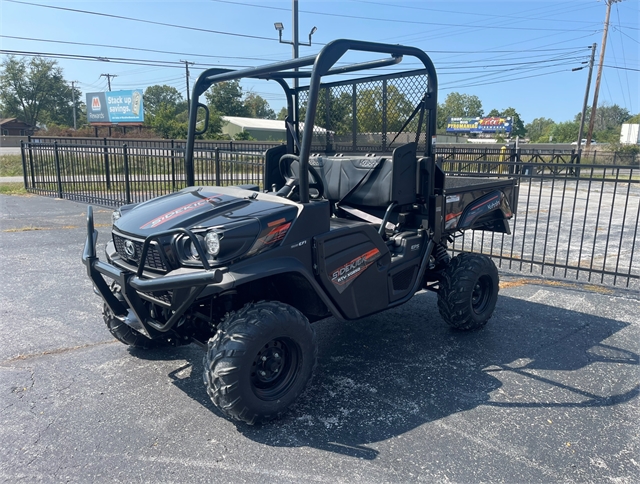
(402,280)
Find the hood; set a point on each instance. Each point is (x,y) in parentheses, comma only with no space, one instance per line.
(196,207)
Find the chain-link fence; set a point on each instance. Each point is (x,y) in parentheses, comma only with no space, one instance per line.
(369,115)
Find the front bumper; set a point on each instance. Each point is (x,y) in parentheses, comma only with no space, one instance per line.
(133,282)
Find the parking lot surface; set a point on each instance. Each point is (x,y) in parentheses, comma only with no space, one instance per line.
(547,392)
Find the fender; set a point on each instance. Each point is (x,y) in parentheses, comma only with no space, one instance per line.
(490,208)
(268,268)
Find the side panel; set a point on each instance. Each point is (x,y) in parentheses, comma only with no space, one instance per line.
(352,264)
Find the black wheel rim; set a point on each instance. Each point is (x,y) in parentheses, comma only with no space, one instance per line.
(275,368)
(481,294)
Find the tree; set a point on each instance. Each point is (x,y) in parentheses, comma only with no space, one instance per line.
(257,107)
(370,109)
(538,130)
(609,120)
(566,132)
(282,114)
(458,105)
(166,123)
(36,92)
(518,128)
(156,96)
(225,99)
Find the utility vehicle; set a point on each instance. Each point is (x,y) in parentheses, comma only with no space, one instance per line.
(244,270)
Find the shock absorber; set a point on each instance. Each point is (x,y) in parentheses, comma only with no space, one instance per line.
(441,256)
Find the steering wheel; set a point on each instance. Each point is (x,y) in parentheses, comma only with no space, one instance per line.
(292,180)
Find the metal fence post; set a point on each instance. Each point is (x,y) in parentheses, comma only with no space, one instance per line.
(127,185)
(33,174)
(173,166)
(217,165)
(24,164)
(57,162)
(107,172)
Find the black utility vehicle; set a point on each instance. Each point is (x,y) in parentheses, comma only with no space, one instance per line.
(243,270)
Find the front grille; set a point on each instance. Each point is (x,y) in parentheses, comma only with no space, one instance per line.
(154,258)
(163,296)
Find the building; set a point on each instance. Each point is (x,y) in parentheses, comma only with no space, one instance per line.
(15,127)
(263,129)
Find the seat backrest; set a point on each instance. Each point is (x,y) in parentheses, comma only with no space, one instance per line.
(393,178)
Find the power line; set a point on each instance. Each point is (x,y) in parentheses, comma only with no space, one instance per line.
(625,62)
(386,20)
(164,24)
(621,68)
(564,21)
(113,60)
(503,80)
(135,48)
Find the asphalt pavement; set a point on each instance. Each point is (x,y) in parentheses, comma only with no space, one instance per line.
(546,392)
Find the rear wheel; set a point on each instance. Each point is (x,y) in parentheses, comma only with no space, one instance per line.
(468,291)
(260,361)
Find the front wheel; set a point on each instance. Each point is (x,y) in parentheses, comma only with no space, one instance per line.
(120,330)
(260,361)
(468,291)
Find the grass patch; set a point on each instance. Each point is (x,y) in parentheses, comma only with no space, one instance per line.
(13,189)
(10,165)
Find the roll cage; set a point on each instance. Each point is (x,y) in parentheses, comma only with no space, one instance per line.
(322,65)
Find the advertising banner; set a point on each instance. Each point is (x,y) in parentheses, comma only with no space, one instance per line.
(115,107)
(493,124)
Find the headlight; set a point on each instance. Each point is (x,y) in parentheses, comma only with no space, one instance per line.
(115,215)
(212,243)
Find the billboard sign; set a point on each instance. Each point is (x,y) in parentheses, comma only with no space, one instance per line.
(494,124)
(115,107)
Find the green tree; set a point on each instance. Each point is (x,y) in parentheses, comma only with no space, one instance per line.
(225,98)
(168,123)
(257,107)
(538,130)
(566,132)
(36,92)
(282,114)
(609,120)
(458,105)
(370,109)
(156,96)
(518,128)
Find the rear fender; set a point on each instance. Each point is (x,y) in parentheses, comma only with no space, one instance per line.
(490,211)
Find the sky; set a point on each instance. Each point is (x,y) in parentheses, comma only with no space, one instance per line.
(516,53)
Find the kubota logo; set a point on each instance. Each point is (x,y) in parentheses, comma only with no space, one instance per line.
(95,104)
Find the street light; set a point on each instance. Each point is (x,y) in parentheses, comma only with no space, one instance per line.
(280,27)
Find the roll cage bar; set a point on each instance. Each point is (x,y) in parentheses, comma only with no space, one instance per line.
(323,65)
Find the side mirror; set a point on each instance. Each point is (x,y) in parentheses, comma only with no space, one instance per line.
(206,119)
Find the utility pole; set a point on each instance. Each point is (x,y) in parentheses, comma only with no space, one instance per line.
(108,76)
(586,96)
(592,119)
(295,42)
(73,100)
(186,67)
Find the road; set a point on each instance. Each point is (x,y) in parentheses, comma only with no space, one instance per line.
(547,392)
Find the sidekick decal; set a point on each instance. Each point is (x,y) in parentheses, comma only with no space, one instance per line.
(176,212)
(344,275)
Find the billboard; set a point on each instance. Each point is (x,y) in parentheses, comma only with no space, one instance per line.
(494,124)
(115,107)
